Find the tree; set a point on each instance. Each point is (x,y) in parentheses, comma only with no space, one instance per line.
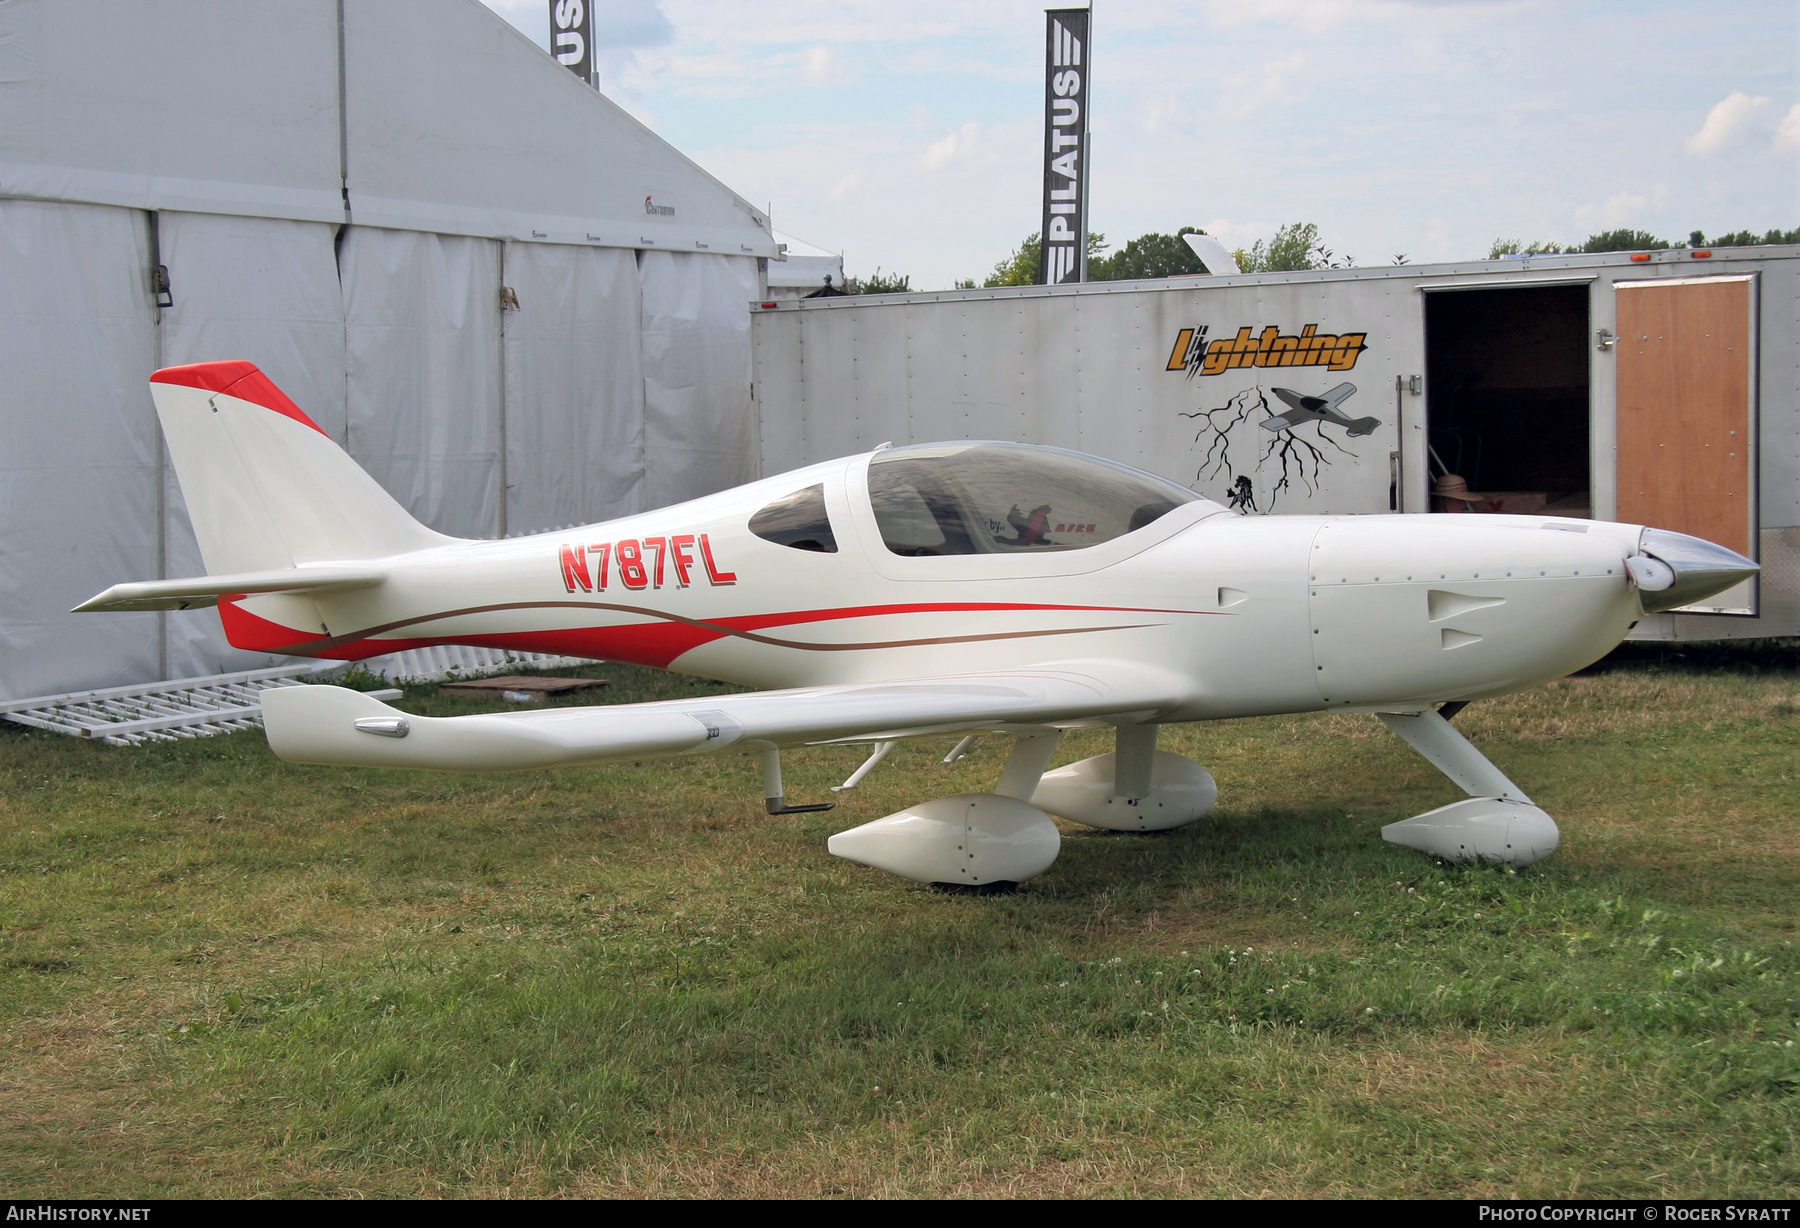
(1623,241)
(1510,247)
(1151,255)
(1744,238)
(1295,247)
(1023,267)
(875,283)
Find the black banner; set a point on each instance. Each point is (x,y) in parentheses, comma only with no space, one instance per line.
(572,36)
(1066,68)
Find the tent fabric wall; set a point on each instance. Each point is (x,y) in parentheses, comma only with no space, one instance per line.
(337,191)
(265,290)
(78,448)
(422,355)
(625,382)
(458,124)
(574,386)
(211,106)
(449,121)
(699,425)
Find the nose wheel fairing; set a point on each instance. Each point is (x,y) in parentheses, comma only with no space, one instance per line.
(1496,823)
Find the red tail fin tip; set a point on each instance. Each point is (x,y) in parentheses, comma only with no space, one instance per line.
(236,378)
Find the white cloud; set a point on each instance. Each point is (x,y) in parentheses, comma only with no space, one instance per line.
(820,66)
(1423,126)
(1787,135)
(1725,122)
(1237,234)
(959,146)
(1275,82)
(1162,111)
(1622,208)
(1324,16)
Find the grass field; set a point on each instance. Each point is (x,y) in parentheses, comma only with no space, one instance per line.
(223,975)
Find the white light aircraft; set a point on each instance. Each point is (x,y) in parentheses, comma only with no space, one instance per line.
(961,588)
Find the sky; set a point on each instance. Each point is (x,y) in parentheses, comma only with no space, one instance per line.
(908,135)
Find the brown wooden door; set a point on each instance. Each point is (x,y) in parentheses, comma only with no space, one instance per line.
(1685,444)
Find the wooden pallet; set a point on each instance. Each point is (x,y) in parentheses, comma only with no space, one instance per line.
(537,688)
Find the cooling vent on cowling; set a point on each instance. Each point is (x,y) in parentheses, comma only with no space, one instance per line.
(1442,604)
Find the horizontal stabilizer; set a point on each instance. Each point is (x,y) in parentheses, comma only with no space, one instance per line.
(200,591)
(1363,426)
(334,725)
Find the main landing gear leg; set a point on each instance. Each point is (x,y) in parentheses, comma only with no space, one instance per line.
(1134,788)
(1025,766)
(773,799)
(1497,822)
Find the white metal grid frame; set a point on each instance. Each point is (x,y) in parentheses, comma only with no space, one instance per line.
(226,703)
(158,711)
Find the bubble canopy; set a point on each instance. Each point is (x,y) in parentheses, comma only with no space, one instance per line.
(1009,498)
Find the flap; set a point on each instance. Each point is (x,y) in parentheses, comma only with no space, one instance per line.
(334,725)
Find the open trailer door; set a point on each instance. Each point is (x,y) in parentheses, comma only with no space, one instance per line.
(1686,424)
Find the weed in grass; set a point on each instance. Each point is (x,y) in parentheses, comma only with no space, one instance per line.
(227,975)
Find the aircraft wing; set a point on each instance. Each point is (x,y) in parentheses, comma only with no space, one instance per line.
(335,725)
(1337,396)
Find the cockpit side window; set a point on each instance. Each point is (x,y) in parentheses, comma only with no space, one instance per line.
(1005,498)
(798,521)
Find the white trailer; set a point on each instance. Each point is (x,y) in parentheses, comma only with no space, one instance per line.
(1652,387)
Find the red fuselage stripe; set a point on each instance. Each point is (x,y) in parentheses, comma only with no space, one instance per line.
(657,643)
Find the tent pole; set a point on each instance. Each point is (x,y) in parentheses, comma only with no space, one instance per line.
(500,306)
(162,448)
(343,117)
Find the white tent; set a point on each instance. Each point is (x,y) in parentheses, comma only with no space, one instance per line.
(805,269)
(514,305)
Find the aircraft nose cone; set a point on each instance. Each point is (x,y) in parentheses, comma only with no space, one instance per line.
(1701,569)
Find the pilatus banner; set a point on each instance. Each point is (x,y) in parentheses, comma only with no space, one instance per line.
(1066,67)
(572,36)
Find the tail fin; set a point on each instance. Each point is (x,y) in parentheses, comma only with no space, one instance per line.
(265,487)
(1363,426)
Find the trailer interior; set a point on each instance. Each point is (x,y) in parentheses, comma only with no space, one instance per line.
(1507,405)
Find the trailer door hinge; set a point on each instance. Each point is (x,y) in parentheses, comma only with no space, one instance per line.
(1606,340)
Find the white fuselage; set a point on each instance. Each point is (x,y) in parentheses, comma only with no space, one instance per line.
(1260,614)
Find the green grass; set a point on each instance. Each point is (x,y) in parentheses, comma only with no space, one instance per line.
(224,975)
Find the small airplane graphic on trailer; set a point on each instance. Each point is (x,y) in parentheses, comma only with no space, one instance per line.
(903,593)
(1303,409)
